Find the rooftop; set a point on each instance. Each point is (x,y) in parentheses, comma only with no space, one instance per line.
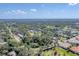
(75,49)
(74,40)
(64,44)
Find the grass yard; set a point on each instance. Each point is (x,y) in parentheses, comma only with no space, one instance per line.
(59,51)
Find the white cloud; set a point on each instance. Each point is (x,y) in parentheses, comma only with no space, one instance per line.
(33,10)
(14,12)
(72,4)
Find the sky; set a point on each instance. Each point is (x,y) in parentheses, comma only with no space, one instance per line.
(39,11)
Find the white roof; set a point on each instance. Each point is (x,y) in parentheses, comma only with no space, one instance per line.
(74,40)
(64,44)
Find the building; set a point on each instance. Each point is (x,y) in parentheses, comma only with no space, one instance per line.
(64,44)
(75,49)
(74,40)
(74,32)
(12,53)
(19,33)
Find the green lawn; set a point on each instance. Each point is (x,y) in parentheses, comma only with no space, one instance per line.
(64,52)
(60,51)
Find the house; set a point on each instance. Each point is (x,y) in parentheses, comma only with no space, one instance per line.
(75,49)
(18,33)
(12,53)
(60,32)
(74,40)
(74,32)
(55,39)
(64,44)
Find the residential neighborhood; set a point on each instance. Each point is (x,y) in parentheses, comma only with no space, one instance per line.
(44,39)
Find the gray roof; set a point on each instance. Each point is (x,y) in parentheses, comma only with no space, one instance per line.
(1,39)
(12,53)
(73,40)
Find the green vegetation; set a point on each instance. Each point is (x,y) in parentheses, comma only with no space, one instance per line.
(36,39)
(60,52)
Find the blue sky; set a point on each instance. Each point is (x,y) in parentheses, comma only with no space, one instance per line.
(39,11)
